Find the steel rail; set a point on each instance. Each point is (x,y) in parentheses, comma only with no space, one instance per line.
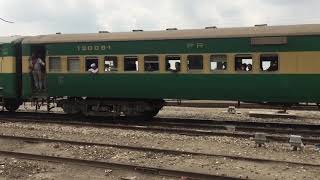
(104,164)
(155,150)
(204,122)
(190,132)
(242,105)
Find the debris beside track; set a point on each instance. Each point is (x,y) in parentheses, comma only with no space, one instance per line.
(12,167)
(243,147)
(218,145)
(311,117)
(224,166)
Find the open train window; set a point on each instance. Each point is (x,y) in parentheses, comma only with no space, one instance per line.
(173,63)
(131,63)
(218,62)
(269,62)
(243,63)
(195,62)
(151,63)
(73,64)
(92,64)
(54,64)
(110,63)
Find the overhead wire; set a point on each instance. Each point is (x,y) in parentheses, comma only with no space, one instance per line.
(6,20)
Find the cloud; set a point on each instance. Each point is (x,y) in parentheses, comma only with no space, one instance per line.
(33,17)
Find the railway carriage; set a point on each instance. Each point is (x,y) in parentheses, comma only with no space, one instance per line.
(10,72)
(137,70)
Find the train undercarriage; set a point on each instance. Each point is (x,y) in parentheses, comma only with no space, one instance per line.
(111,107)
(141,108)
(94,106)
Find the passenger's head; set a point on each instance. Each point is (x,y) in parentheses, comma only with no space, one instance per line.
(168,66)
(244,67)
(249,67)
(177,65)
(93,65)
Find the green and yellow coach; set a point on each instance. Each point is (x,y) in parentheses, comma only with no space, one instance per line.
(137,70)
(10,72)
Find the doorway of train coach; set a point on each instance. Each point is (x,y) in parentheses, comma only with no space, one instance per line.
(39,80)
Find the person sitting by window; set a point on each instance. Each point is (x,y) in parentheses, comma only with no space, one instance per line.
(93,68)
(107,68)
(224,66)
(148,67)
(178,68)
(168,67)
(273,66)
(244,67)
(249,67)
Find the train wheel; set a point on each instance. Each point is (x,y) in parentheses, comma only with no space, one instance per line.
(11,107)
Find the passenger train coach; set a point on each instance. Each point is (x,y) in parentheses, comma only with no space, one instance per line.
(137,70)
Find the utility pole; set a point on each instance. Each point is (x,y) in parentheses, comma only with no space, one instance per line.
(6,20)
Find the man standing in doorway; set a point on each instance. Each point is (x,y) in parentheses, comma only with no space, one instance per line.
(36,64)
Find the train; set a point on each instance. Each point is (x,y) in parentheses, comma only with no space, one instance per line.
(137,70)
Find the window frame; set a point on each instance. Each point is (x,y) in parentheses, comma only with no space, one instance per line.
(261,65)
(195,70)
(70,58)
(137,64)
(243,56)
(144,63)
(115,69)
(91,58)
(167,61)
(49,64)
(212,60)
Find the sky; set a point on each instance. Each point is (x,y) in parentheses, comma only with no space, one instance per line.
(36,17)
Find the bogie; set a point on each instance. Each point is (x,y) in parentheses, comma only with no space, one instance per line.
(111,108)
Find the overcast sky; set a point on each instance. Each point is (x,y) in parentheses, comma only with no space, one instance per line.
(32,17)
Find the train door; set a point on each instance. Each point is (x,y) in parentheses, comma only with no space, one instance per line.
(39,74)
(18,55)
(1,65)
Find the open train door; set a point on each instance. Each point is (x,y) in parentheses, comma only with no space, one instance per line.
(39,51)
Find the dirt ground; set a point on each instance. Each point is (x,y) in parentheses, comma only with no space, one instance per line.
(204,164)
(206,144)
(311,117)
(11,168)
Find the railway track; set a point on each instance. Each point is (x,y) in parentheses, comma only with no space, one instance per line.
(278,132)
(214,104)
(100,164)
(139,168)
(153,150)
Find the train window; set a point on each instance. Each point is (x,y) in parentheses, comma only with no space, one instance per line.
(173,63)
(73,64)
(151,63)
(131,63)
(54,64)
(218,62)
(195,62)
(269,62)
(110,63)
(92,64)
(243,63)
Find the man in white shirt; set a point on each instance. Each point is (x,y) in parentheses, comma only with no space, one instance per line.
(36,65)
(94,69)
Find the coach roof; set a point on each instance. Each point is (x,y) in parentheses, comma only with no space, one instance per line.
(8,39)
(259,31)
